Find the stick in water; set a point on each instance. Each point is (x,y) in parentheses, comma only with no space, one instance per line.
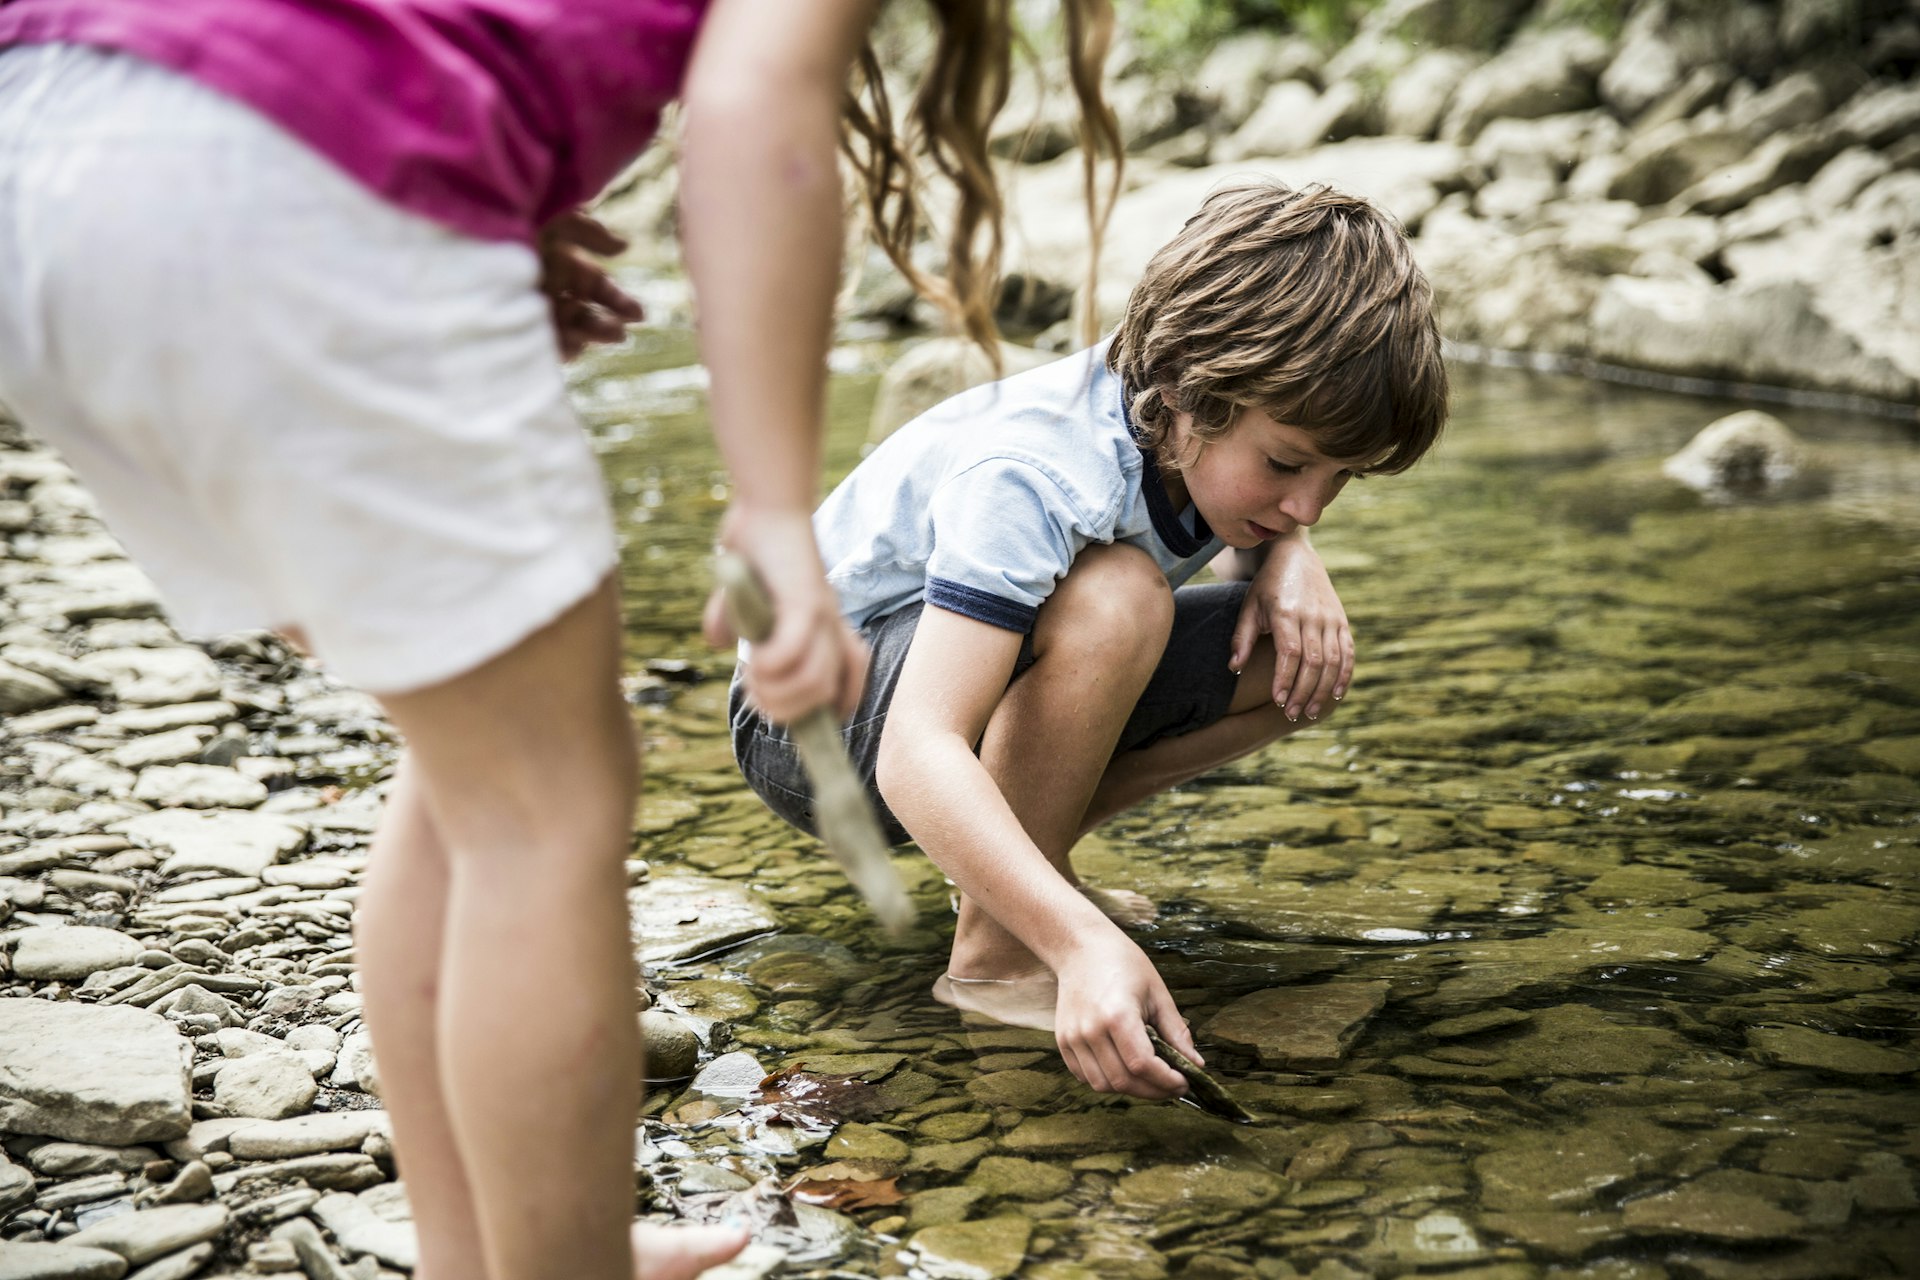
(840,807)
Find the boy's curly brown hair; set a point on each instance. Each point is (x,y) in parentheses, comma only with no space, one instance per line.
(1306,305)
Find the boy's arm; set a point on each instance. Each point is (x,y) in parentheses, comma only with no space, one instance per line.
(1292,599)
(954,676)
(760,217)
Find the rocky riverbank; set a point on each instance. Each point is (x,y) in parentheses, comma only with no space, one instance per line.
(1721,191)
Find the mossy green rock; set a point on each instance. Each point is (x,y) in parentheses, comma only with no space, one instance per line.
(1298,1027)
(864,1142)
(1717,1213)
(1199,1186)
(1013,1178)
(1075,1133)
(716,998)
(957,1126)
(939,1206)
(985,1250)
(1021,1089)
(947,1157)
(1805,1047)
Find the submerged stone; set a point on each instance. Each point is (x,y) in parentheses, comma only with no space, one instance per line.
(1805,1047)
(1199,1186)
(680,917)
(1020,1088)
(1719,1214)
(1437,1239)
(985,1250)
(1014,1178)
(1299,1027)
(1566,1169)
(1076,1133)
(1473,1024)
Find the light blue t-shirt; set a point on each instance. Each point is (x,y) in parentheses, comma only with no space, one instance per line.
(980,505)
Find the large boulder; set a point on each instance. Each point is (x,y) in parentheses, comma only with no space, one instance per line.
(1662,162)
(1743,455)
(937,370)
(1417,99)
(1047,232)
(1540,74)
(1780,160)
(89,1073)
(1238,71)
(1769,333)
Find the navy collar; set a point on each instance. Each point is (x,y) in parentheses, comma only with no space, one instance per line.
(1166,521)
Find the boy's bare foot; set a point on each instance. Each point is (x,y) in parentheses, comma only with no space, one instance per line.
(682,1252)
(1124,907)
(1024,1001)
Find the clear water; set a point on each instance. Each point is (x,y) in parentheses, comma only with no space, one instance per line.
(1641,770)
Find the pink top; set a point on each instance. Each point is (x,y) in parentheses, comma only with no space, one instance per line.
(490,116)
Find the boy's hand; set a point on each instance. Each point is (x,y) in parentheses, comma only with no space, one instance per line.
(1109,990)
(812,659)
(587,306)
(1292,599)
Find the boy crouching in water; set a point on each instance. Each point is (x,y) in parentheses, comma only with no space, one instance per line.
(1015,558)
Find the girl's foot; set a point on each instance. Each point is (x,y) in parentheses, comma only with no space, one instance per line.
(682,1252)
(1124,907)
(1023,1001)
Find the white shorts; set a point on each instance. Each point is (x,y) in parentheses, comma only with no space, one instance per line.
(295,404)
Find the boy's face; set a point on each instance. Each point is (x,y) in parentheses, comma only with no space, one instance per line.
(1259,481)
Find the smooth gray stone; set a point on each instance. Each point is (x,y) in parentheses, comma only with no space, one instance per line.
(176,1266)
(68,953)
(58,1262)
(91,1073)
(151,1233)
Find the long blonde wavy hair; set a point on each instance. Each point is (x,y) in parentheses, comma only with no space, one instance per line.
(948,124)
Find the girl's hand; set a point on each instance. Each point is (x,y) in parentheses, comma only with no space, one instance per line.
(1109,990)
(587,306)
(1292,599)
(812,659)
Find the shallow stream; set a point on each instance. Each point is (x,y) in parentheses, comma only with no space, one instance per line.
(1619,822)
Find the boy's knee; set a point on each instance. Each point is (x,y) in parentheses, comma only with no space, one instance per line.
(1113,594)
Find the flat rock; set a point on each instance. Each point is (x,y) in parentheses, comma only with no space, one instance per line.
(1711,1212)
(983,1250)
(680,917)
(268,1086)
(1207,1186)
(376,1222)
(1019,1088)
(1805,1047)
(236,844)
(156,677)
(68,953)
(146,1235)
(1298,1027)
(16,1185)
(198,786)
(177,1266)
(88,1073)
(169,746)
(306,1135)
(38,1261)
(79,1159)
(731,1075)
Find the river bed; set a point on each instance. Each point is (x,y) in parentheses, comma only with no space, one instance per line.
(1618,821)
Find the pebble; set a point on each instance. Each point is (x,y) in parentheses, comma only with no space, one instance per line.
(269,1086)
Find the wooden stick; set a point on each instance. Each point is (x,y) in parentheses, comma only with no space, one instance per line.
(845,819)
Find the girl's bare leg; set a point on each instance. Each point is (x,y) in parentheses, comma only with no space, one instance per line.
(527,771)
(399,933)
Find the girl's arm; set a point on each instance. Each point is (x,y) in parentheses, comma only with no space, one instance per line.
(955,674)
(760,217)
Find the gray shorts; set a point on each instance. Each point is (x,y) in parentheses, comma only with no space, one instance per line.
(1190,689)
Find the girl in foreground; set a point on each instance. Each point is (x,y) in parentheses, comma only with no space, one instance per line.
(271,283)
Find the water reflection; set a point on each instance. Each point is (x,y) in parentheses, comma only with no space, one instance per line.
(1621,814)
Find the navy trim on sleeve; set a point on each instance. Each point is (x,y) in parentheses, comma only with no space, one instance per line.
(981,606)
(1166,521)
